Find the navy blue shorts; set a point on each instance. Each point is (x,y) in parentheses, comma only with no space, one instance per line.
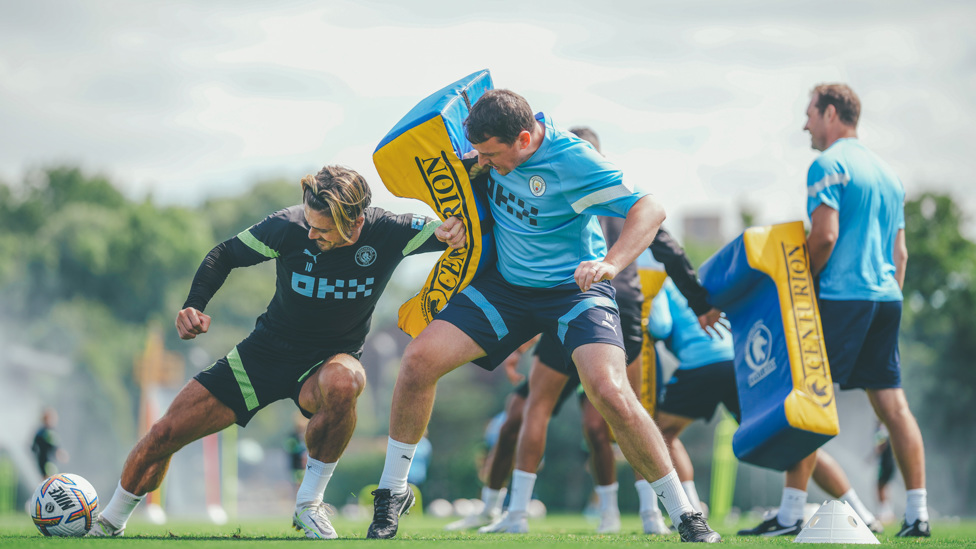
(861,338)
(262,369)
(696,392)
(552,354)
(500,317)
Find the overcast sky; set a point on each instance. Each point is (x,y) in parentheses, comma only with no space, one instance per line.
(701,103)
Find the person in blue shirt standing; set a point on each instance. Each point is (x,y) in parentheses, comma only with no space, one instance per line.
(858,254)
(545,187)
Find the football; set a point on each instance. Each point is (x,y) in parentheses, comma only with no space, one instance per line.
(64,505)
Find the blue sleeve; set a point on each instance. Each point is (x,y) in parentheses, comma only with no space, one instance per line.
(660,323)
(595,186)
(826,181)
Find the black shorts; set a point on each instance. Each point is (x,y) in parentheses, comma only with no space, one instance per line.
(861,338)
(500,317)
(262,369)
(696,392)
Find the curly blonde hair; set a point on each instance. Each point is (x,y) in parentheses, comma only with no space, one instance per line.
(341,192)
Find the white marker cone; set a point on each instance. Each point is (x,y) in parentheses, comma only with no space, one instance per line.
(835,522)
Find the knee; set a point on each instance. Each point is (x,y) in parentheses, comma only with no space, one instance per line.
(595,428)
(895,414)
(614,403)
(669,433)
(415,365)
(342,384)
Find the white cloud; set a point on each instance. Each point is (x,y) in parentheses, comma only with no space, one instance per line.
(197,98)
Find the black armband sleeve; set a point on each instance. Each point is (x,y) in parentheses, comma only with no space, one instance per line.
(676,264)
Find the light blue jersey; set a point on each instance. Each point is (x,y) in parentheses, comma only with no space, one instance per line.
(545,210)
(870,201)
(671,317)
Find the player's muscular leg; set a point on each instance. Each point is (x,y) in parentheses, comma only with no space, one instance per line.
(671,426)
(501,459)
(194,414)
(906,439)
(601,368)
(597,435)
(440,348)
(331,396)
(545,385)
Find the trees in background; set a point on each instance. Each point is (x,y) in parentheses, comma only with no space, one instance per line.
(84,270)
(939,336)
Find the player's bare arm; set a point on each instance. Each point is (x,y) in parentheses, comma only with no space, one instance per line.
(642,222)
(824,229)
(190,323)
(452,232)
(900,257)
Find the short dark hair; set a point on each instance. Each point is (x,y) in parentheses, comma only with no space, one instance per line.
(339,191)
(586,133)
(503,114)
(844,100)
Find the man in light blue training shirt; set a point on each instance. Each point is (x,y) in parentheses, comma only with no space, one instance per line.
(858,252)
(546,187)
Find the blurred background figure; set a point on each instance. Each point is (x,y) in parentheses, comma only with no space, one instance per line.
(886,470)
(296,449)
(47,446)
(417,475)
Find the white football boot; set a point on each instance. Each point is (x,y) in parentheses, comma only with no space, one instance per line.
(102,529)
(609,522)
(315,522)
(476,520)
(510,522)
(654,523)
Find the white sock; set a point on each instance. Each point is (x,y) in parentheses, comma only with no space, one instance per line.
(862,511)
(608,497)
(668,489)
(916,506)
(692,492)
(399,456)
(522,485)
(493,498)
(120,507)
(646,495)
(317,476)
(791,506)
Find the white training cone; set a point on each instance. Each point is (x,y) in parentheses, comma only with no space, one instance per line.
(835,522)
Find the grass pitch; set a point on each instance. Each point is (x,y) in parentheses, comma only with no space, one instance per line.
(554,531)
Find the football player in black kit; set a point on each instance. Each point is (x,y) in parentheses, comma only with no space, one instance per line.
(334,256)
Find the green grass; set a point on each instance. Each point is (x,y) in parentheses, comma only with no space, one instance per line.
(554,531)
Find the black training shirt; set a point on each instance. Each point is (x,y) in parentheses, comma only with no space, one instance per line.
(322,298)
